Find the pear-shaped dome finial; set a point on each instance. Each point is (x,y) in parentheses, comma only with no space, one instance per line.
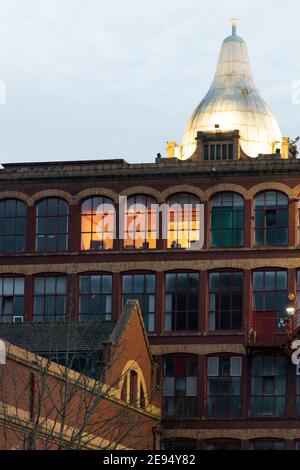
(233,22)
(234,103)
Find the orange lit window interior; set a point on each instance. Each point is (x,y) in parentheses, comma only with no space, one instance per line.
(97,224)
(183,221)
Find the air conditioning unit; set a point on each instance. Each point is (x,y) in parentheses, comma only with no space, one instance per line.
(18,319)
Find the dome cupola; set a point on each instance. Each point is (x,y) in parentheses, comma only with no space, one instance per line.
(234,103)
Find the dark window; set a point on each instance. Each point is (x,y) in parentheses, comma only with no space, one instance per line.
(271,218)
(218,151)
(223,445)
(268,445)
(268,385)
(12,226)
(142,288)
(97,224)
(95,294)
(142,397)
(270,294)
(180,386)
(11,298)
(52,225)
(141,225)
(182,301)
(227,220)
(183,221)
(298,298)
(178,444)
(124,389)
(224,385)
(50,298)
(85,362)
(225,301)
(133,388)
(298,391)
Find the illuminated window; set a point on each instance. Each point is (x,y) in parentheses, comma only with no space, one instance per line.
(12,226)
(11,298)
(52,225)
(95,294)
(268,385)
(225,300)
(224,385)
(181,301)
(50,294)
(98,221)
(142,288)
(141,225)
(227,220)
(271,218)
(180,386)
(183,221)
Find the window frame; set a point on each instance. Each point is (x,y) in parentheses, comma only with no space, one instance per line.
(46,234)
(13,235)
(173,313)
(231,292)
(135,295)
(14,296)
(218,378)
(52,318)
(99,244)
(150,232)
(235,211)
(263,209)
(176,243)
(102,316)
(186,404)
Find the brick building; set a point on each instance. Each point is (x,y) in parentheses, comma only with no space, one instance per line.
(221,317)
(56,404)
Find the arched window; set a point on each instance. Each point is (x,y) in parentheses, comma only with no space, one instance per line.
(180,386)
(98,224)
(271,218)
(223,444)
(181,301)
(133,388)
(142,288)
(95,293)
(124,389)
(227,220)
(12,226)
(141,225)
(142,397)
(225,300)
(267,444)
(269,376)
(179,444)
(11,299)
(183,220)
(224,385)
(52,225)
(50,297)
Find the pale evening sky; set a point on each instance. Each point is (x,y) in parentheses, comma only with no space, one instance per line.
(99,79)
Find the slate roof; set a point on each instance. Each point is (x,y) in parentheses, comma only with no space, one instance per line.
(54,337)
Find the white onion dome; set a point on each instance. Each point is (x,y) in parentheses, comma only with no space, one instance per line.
(234,103)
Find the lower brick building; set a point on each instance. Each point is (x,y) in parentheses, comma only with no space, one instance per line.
(56,404)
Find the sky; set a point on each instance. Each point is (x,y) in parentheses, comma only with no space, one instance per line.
(101,79)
